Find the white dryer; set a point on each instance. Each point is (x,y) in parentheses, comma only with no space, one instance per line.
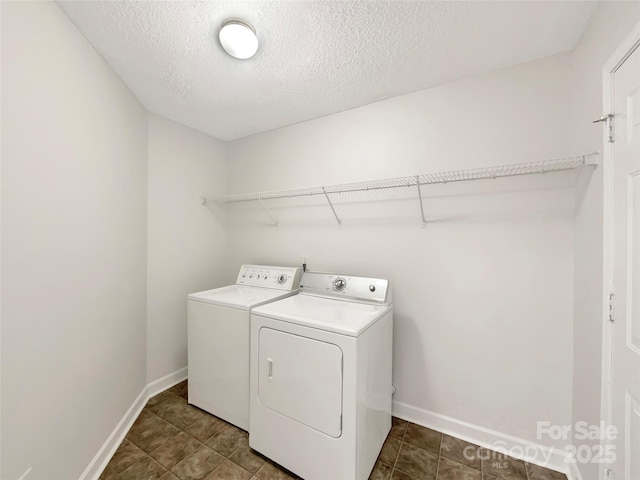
(321,377)
(218,338)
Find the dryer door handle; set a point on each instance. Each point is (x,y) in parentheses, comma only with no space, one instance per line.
(270,368)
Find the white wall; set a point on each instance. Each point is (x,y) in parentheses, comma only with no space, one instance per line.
(483,295)
(186,240)
(608,27)
(73,245)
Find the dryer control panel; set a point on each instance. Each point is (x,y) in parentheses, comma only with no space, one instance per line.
(282,278)
(376,291)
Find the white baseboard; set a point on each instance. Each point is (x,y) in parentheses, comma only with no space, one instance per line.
(531,452)
(165,382)
(101,459)
(109,447)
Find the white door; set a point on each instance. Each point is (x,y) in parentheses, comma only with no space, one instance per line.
(625,360)
(301,378)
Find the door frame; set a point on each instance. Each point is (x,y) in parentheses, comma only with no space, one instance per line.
(617,58)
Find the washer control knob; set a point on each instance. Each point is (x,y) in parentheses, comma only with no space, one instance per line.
(372,288)
(339,284)
(282,278)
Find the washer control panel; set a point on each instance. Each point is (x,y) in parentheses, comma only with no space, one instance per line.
(356,289)
(282,278)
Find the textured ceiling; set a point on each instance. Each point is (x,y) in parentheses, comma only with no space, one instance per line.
(315,57)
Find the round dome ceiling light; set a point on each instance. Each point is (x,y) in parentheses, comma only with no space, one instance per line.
(238,38)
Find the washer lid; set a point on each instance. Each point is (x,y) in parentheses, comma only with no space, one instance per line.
(240,296)
(346,318)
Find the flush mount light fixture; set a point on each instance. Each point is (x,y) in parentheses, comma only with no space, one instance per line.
(238,38)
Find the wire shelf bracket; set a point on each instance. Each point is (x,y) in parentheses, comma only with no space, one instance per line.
(331,205)
(424,222)
(266,210)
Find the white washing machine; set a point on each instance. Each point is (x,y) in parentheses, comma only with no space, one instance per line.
(321,377)
(218,338)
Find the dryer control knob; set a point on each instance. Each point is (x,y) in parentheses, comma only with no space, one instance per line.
(372,288)
(282,278)
(339,284)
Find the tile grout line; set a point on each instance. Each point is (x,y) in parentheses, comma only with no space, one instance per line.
(222,463)
(238,448)
(393,468)
(439,455)
(166,441)
(234,451)
(146,455)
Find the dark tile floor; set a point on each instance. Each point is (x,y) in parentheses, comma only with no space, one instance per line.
(173,440)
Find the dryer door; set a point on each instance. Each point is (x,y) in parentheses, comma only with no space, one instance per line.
(301,378)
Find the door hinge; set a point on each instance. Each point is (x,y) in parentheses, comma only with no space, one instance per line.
(610,308)
(608,123)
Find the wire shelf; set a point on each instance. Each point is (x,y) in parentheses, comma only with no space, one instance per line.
(413,182)
(544,166)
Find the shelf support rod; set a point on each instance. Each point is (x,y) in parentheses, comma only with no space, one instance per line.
(331,205)
(275,222)
(424,222)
